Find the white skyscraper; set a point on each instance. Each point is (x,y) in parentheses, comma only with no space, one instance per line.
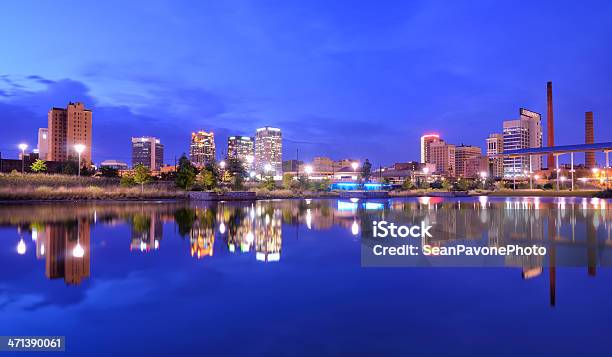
(522,133)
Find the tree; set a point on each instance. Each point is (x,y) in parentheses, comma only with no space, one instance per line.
(407,184)
(111,172)
(70,168)
(366,170)
(238,173)
(288,181)
(38,166)
(268,183)
(207,179)
(127,180)
(462,185)
(142,175)
(186,173)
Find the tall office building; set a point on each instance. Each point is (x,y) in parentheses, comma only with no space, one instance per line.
(462,154)
(522,133)
(241,148)
(147,151)
(426,140)
(442,155)
(269,150)
(495,146)
(67,128)
(202,150)
(43,143)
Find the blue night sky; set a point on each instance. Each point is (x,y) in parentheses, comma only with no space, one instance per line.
(341,78)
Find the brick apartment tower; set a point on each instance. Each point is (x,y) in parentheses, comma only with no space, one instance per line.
(589,138)
(550,125)
(68,127)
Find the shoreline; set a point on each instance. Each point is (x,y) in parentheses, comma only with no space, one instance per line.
(184,196)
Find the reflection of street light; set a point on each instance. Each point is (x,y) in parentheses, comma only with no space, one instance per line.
(21,247)
(79,148)
(78,251)
(355,228)
(23,148)
(222,228)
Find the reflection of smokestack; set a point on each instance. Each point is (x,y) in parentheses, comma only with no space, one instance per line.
(589,138)
(550,124)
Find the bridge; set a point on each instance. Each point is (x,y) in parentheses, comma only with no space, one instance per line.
(557,151)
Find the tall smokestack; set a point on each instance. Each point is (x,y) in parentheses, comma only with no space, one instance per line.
(550,126)
(589,138)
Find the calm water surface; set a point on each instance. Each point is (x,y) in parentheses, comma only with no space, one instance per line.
(285,278)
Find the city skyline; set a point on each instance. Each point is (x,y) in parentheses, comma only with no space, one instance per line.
(365,83)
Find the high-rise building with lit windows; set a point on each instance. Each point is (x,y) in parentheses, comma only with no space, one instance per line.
(426,140)
(522,133)
(269,151)
(202,150)
(462,154)
(147,151)
(67,128)
(241,148)
(495,146)
(442,155)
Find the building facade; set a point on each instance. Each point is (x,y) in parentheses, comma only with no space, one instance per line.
(426,140)
(43,143)
(495,146)
(67,128)
(442,155)
(202,150)
(462,154)
(475,166)
(147,151)
(269,151)
(241,148)
(522,133)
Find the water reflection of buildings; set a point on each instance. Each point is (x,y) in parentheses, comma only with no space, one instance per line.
(147,231)
(268,233)
(66,249)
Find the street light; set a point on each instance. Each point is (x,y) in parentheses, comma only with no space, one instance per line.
(308,170)
(23,148)
(222,164)
(562,178)
(79,148)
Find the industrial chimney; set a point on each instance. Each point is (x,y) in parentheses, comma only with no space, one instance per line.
(589,138)
(550,124)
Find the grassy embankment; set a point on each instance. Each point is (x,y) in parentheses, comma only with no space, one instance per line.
(63,187)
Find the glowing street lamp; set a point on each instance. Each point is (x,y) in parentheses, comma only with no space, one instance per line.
(355,165)
(483,175)
(79,148)
(562,178)
(222,164)
(308,170)
(23,147)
